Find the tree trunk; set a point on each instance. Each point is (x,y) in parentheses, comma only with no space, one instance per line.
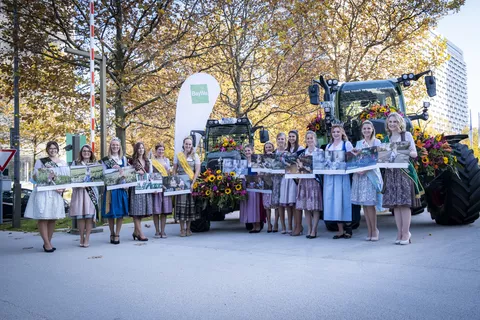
(119,73)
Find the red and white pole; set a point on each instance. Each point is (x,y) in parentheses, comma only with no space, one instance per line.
(92,77)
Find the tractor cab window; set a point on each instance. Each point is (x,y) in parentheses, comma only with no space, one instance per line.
(352,102)
(240,133)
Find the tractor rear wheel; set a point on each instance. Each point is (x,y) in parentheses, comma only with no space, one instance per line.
(452,199)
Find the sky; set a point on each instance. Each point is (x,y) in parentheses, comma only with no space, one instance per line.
(462,29)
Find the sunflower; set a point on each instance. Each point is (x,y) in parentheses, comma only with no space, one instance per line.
(211,178)
(228,191)
(232,173)
(208,192)
(382,109)
(219,178)
(445,160)
(238,187)
(438,138)
(317,126)
(218,171)
(233,143)
(195,185)
(368,116)
(379,136)
(425,136)
(425,159)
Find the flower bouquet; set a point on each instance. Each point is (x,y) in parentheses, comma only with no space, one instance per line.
(317,125)
(225,144)
(220,189)
(434,154)
(377,111)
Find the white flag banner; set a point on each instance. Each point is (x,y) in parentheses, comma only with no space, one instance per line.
(196,99)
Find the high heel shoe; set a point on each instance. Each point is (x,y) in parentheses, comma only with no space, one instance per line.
(312,237)
(47,250)
(404,242)
(376,238)
(116,241)
(112,236)
(270,227)
(136,237)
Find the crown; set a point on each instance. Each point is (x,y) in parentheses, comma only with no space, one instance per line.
(115,139)
(337,123)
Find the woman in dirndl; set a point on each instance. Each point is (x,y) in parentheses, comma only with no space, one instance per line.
(115,202)
(337,204)
(309,192)
(288,190)
(402,189)
(141,205)
(186,162)
(162,205)
(84,203)
(47,206)
(268,148)
(366,185)
(250,209)
(277,181)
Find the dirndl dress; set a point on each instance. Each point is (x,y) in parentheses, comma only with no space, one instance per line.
(185,206)
(161,203)
(115,202)
(45,205)
(364,192)
(81,205)
(337,205)
(309,192)
(399,190)
(141,205)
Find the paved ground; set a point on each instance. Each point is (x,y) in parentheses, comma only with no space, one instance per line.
(230,274)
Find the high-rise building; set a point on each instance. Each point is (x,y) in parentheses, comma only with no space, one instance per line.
(449,109)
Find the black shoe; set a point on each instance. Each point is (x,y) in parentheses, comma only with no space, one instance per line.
(116,241)
(54,248)
(48,250)
(307,236)
(112,238)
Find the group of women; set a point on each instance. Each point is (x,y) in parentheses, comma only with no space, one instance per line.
(332,194)
(397,189)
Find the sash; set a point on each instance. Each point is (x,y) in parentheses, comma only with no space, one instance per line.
(160,168)
(184,163)
(48,163)
(109,163)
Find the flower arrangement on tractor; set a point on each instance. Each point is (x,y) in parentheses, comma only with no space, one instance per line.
(226,144)
(317,125)
(377,111)
(434,153)
(220,189)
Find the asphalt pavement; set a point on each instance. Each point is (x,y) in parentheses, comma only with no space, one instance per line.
(228,273)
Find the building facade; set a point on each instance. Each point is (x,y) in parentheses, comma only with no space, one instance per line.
(449,111)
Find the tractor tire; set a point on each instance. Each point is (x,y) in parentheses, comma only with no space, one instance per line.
(452,199)
(200,225)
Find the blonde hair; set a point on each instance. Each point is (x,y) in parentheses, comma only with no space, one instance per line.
(120,152)
(344,135)
(373,127)
(314,135)
(401,123)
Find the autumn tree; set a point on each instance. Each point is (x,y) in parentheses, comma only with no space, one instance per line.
(143,41)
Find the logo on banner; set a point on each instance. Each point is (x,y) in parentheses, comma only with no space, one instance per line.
(199,93)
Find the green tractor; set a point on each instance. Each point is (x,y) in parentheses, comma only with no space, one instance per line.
(451,199)
(242,132)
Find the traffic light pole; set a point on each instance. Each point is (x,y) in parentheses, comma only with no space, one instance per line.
(17,188)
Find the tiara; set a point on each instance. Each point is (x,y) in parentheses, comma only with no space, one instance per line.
(115,139)
(337,123)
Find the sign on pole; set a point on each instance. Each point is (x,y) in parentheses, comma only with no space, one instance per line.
(5,156)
